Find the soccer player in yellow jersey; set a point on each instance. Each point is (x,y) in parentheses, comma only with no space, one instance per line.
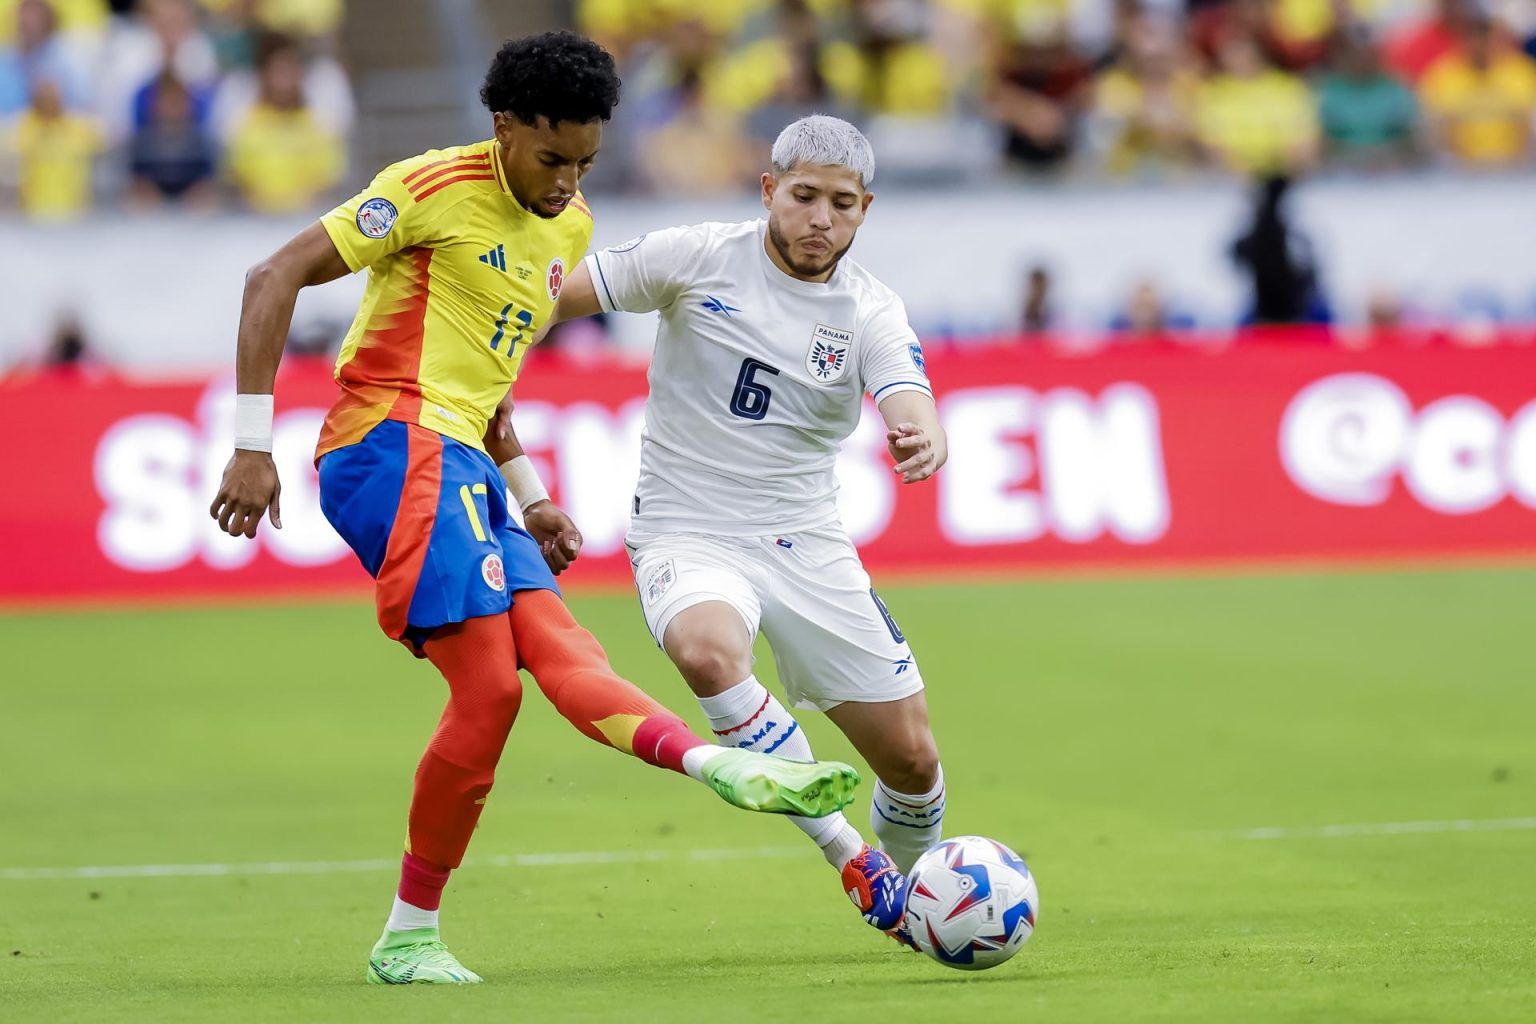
(466,250)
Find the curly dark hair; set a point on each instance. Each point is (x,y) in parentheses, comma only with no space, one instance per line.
(558,75)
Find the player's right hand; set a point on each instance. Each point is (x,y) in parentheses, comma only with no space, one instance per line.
(249,489)
(558,538)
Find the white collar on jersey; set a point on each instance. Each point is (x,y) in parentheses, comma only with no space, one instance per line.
(778,277)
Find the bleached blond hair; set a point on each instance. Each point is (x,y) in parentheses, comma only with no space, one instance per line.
(824,141)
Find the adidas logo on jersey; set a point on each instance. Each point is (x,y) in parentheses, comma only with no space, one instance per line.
(496,258)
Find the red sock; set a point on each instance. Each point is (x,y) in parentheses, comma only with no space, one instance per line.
(479,660)
(421,882)
(663,739)
(573,672)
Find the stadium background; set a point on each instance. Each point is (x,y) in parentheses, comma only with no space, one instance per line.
(1246,286)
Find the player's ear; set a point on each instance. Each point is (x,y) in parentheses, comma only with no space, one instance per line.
(869,197)
(502,123)
(769,183)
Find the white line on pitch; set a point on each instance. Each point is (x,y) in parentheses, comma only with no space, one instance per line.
(1389,828)
(341,867)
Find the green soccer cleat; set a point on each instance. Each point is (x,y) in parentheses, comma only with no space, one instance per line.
(416,957)
(762,782)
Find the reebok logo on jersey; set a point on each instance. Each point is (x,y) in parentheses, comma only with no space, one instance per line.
(714,305)
(496,259)
(827,360)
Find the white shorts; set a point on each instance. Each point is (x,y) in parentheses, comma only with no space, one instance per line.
(832,638)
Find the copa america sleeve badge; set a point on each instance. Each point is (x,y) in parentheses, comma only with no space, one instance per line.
(376,217)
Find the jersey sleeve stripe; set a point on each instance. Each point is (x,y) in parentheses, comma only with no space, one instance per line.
(410,179)
(479,167)
(612,306)
(472,176)
(899,383)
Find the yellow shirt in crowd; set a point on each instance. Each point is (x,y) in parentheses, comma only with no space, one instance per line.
(1150,126)
(74,16)
(1258,124)
(1487,113)
(56,156)
(911,80)
(283,160)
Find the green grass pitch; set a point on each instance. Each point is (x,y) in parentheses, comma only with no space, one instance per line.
(1121,733)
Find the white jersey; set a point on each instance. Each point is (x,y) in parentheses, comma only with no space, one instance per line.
(756,380)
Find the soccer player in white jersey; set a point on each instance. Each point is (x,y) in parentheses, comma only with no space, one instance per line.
(769,340)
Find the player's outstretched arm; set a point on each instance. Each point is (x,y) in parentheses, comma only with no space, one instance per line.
(250,487)
(916,439)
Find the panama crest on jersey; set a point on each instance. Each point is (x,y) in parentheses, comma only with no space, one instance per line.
(660,581)
(827,359)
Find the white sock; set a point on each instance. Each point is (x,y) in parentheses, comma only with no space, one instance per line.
(404,917)
(908,824)
(694,760)
(749,717)
(844,846)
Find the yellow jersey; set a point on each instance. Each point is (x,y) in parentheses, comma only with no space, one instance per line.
(460,278)
(1258,125)
(1487,111)
(57,155)
(283,160)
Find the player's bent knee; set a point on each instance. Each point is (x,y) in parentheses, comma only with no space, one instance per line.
(708,665)
(912,770)
(495,707)
(507,698)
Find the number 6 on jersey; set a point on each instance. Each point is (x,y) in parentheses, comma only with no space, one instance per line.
(750,400)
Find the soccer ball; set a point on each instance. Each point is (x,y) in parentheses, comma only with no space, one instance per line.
(971,903)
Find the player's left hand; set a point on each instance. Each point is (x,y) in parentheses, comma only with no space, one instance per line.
(912,449)
(558,537)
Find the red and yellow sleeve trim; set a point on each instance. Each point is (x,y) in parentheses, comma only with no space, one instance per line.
(427,180)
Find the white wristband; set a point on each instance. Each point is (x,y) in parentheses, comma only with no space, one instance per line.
(523,481)
(253,422)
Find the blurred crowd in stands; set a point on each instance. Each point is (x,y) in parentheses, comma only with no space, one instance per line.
(1120,89)
(245,102)
(204,103)
(245,105)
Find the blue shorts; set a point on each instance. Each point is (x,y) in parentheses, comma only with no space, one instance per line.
(427,517)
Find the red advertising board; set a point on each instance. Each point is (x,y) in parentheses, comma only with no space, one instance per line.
(1263,451)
